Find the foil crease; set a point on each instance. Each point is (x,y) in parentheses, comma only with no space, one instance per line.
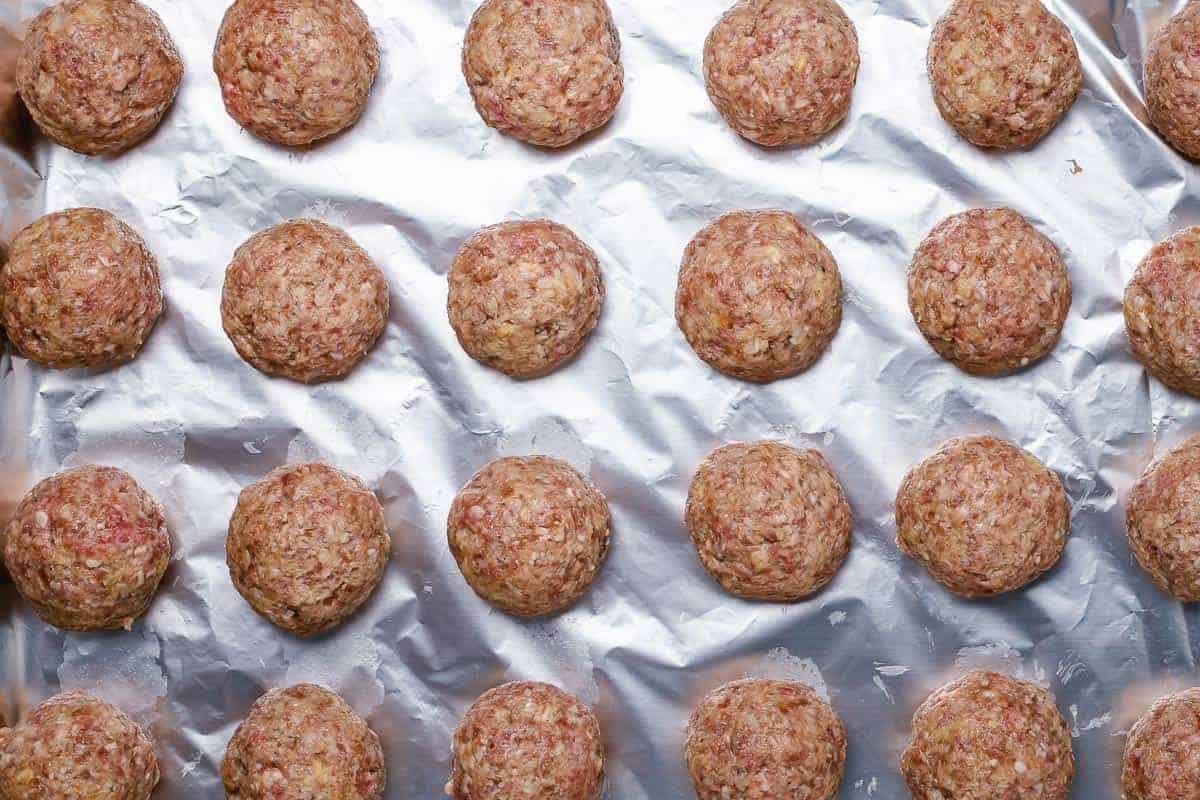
(637,411)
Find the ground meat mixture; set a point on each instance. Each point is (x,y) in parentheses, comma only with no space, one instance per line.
(988,291)
(1162,761)
(527,741)
(307,546)
(544,71)
(294,72)
(1172,81)
(302,743)
(1162,519)
(770,522)
(765,740)
(988,736)
(1162,311)
(304,301)
(524,296)
(1003,71)
(983,516)
(782,72)
(759,297)
(87,548)
(79,289)
(529,534)
(76,747)
(98,75)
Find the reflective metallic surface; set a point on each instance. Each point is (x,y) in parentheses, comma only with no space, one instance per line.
(637,410)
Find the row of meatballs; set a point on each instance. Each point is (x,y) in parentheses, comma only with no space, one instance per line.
(984,735)
(759,296)
(307,544)
(98,75)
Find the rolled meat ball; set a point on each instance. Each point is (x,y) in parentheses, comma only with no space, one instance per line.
(98,75)
(76,747)
(529,534)
(80,289)
(295,72)
(527,741)
(87,548)
(307,546)
(524,296)
(303,742)
(782,72)
(988,735)
(759,739)
(304,301)
(1162,520)
(983,516)
(544,71)
(769,521)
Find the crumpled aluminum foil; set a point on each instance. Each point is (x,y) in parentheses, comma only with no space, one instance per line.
(637,411)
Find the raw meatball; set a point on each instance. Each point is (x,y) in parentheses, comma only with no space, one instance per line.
(307,545)
(524,296)
(988,291)
(770,522)
(300,743)
(304,301)
(79,289)
(98,75)
(75,747)
(1162,311)
(765,740)
(1162,519)
(982,515)
(527,741)
(1161,759)
(294,72)
(529,534)
(1172,81)
(986,736)
(782,72)
(759,297)
(1003,71)
(87,548)
(544,71)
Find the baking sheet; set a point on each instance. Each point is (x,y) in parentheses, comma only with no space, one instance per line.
(637,411)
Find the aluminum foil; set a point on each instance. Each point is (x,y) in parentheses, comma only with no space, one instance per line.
(637,411)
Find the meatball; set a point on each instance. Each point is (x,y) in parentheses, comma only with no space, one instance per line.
(1162,311)
(759,297)
(302,300)
(1162,519)
(765,740)
(98,75)
(782,72)
(527,741)
(300,743)
(529,534)
(1161,760)
(983,516)
(544,71)
(1003,72)
(770,522)
(524,296)
(989,293)
(987,735)
(294,72)
(87,548)
(76,747)
(1172,81)
(307,546)
(79,289)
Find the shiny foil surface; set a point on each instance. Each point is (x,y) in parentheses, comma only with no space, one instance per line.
(637,411)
